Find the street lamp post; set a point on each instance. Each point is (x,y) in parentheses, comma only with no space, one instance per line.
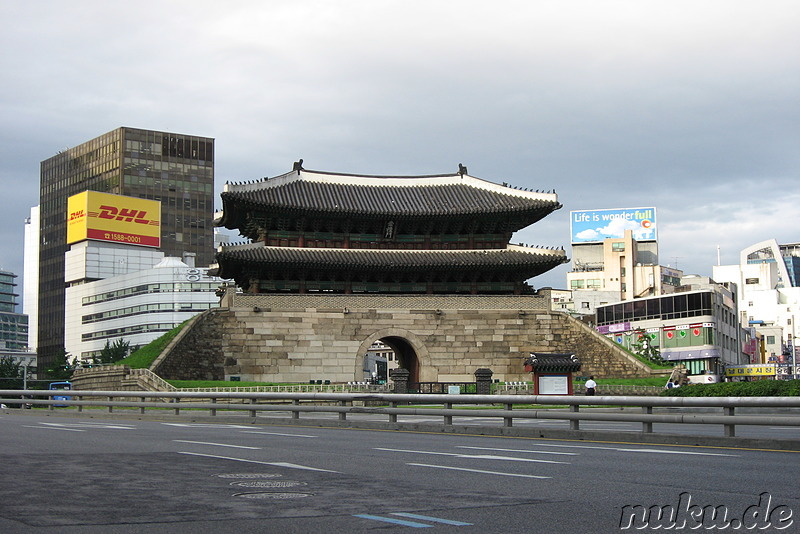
(26,363)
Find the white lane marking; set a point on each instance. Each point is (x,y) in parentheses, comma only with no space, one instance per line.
(100,423)
(54,428)
(216,444)
(516,450)
(664,451)
(278,434)
(205,425)
(478,471)
(305,467)
(90,425)
(474,456)
(277,464)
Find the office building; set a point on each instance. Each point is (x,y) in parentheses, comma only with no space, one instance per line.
(13,325)
(136,295)
(175,169)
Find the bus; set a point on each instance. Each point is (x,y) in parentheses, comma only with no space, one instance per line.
(60,386)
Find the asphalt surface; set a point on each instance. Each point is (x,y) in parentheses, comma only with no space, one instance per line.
(71,474)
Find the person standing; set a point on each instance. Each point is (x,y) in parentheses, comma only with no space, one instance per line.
(591,385)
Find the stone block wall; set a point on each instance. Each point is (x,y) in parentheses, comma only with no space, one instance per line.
(295,338)
(197,352)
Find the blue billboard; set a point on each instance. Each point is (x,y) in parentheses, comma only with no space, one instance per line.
(593,226)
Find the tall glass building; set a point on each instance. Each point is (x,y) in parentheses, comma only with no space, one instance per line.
(177,169)
(13,325)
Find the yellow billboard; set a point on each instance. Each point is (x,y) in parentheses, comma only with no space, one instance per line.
(115,218)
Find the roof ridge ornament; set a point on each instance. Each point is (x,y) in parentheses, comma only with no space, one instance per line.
(298,166)
(462,170)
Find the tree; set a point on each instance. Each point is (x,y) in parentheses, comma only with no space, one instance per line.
(61,368)
(114,352)
(9,368)
(643,346)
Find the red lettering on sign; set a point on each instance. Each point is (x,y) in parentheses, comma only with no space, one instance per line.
(124,214)
(107,212)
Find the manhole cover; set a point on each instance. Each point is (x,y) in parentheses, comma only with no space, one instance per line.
(270,495)
(248,475)
(269,484)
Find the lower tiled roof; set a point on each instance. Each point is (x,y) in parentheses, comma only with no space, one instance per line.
(362,260)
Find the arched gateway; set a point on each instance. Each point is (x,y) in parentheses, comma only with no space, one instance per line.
(348,256)
(408,349)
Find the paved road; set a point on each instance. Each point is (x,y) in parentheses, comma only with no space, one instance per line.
(69,474)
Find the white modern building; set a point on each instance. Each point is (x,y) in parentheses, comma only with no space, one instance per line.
(768,280)
(117,291)
(30,283)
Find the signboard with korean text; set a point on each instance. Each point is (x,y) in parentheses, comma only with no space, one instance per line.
(553,385)
(115,218)
(750,370)
(593,226)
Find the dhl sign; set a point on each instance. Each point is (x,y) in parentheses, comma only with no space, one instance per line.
(115,218)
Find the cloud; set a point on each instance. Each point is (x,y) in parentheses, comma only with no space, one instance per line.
(690,107)
(590,235)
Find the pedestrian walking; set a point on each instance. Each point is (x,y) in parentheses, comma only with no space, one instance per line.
(591,385)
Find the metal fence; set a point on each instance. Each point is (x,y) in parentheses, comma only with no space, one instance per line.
(505,407)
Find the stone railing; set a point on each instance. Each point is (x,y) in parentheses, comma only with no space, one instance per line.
(118,378)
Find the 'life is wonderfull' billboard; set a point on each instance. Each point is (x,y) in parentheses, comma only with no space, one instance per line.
(593,226)
(115,218)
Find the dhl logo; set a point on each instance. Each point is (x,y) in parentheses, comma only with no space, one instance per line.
(123,214)
(80,214)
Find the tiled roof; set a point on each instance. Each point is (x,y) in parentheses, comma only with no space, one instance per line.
(548,362)
(425,196)
(532,260)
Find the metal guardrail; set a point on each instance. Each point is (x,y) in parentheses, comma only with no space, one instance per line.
(343,404)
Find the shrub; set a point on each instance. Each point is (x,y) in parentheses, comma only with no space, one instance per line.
(758,388)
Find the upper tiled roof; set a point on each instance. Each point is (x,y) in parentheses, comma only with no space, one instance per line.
(410,196)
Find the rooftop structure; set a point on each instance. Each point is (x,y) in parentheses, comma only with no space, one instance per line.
(317,231)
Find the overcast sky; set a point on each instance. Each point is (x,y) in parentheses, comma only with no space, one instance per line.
(692,107)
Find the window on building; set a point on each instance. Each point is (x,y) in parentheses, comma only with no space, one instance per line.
(751,281)
(770,340)
(618,247)
(585,305)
